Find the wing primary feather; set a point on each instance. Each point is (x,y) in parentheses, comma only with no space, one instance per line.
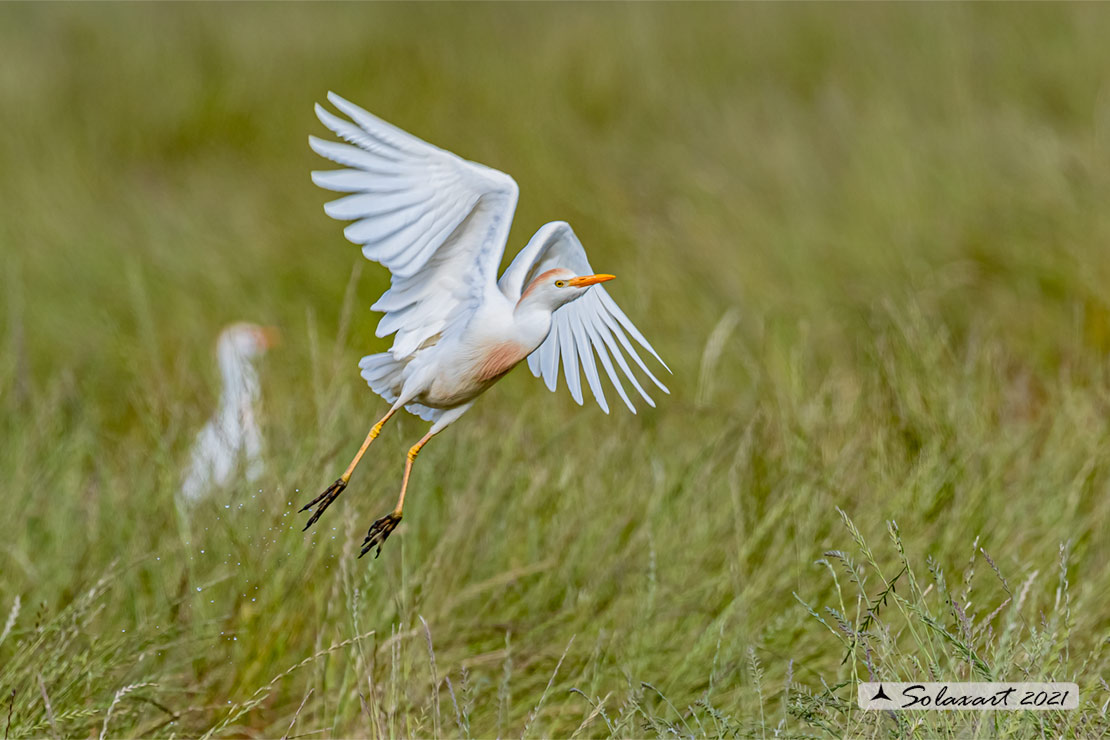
(419,255)
(394,299)
(450,217)
(606,335)
(394,253)
(354,181)
(392,321)
(602,347)
(619,334)
(351,156)
(586,358)
(381,130)
(379,237)
(550,362)
(370,205)
(570,359)
(534,364)
(443,222)
(356,135)
(617,313)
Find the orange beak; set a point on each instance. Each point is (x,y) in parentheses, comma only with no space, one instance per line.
(269,336)
(582,282)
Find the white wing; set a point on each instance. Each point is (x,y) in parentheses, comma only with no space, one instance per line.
(438,222)
(592,324)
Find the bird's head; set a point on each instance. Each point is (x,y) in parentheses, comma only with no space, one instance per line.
(557,287)
(247,341)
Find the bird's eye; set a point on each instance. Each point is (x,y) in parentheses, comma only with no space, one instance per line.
(560,283)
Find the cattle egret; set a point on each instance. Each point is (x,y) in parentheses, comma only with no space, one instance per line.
(231,437)
(439,224)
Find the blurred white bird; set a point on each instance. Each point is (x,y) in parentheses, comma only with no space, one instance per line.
(231,437)
(439,224)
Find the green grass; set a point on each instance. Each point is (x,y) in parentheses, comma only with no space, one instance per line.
(871,242)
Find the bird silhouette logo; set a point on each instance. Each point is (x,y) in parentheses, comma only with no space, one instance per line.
(881,695)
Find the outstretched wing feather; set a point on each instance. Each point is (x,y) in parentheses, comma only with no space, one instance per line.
(592,324)
(436,221)
(586,357)
(570,355)
(616,331)
(601,336)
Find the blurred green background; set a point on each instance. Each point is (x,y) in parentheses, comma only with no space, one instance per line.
(871,241)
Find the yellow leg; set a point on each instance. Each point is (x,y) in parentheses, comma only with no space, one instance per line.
(382,528)
(409,460)
(374,432)
(332,493)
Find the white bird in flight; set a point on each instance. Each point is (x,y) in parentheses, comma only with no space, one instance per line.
(439,224)
(231,437)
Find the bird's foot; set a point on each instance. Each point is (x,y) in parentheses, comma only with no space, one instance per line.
(379,532)
(324,500)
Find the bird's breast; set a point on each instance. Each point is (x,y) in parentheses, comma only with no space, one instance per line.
(468,374)
(498,359)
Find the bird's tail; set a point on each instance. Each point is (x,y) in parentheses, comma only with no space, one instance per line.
(386,375)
